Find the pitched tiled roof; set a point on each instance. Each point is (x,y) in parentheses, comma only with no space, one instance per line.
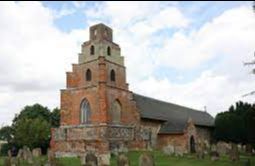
(176,116)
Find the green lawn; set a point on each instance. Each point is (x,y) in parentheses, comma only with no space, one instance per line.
(160,159)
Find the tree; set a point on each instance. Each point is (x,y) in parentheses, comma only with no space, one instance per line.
(236,125)
(55,117)
(31,127)
(6,133)
(32,133)
(33,112)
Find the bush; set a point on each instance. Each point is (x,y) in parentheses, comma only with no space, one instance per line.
(4,149)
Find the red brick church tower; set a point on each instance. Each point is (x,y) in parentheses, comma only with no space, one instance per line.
(96,90)
(98,113)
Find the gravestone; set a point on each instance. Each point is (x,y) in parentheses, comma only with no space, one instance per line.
(51,155)
(36,152)
(169,150)
(122,160)
(178,151)
(234,155)
(146,160)
(20,154)
(7,161)
(27,155)
(91,160)
(214,156)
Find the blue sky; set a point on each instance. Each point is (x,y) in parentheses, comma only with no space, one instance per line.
(189,53)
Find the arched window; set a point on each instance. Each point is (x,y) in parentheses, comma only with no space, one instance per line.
(85,111)
(108,51)
(92,50)
(115,112)
(88,75)
(112,75)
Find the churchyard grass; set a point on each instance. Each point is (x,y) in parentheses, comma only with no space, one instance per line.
(160,160)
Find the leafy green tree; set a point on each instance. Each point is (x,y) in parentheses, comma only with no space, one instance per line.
(55,117)
(32,112)
(237,124)
(32,133)
(6,133)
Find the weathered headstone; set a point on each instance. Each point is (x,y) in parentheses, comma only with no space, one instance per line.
(83,160)
(104,159)
(91,160)
(214,156)
(122,160)
(234,155)
(223,148)
(20,154)
(146,160)
(200,150)
(51,155)
(178,151)
(36,152)
(9,154)
(7,161)
(27,155)
(169,150)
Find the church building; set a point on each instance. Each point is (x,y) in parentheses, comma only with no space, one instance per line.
(99,114)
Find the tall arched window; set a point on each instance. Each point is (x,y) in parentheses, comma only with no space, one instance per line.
(115,112)
(92,50)
(112,75)
(88,75)
(85,111)
(108,50)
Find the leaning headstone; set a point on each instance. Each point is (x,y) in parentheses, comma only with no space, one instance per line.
(234,155)
(91,160)
(36,152)
(214,156)
(122,160)
(146,160)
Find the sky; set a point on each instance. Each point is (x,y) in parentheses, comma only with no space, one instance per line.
(188,53)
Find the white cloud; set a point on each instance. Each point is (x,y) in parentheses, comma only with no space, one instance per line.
(34,57)
(35,54)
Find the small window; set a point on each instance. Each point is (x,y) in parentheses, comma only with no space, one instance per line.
(112,75)
(92,50)
(95,32)
(88,75)
(108,50)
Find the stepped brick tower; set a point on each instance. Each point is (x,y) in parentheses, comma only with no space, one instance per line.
(98,113)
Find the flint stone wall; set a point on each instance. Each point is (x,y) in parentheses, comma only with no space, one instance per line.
(93,132)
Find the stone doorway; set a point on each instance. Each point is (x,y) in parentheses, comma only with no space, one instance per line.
(192,145)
